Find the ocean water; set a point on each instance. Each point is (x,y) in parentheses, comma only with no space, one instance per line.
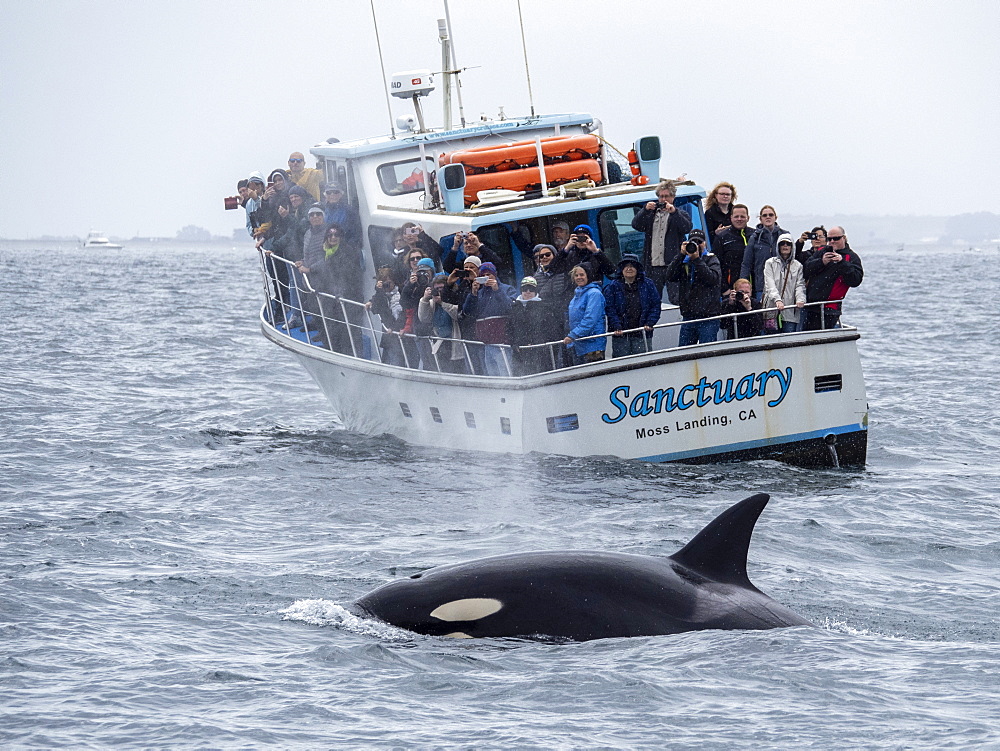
(182,519)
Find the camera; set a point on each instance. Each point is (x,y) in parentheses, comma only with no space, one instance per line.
(740,295)
(661,204)
(482,279)
(690,247)
(813,236)
(231,202)
(411,231)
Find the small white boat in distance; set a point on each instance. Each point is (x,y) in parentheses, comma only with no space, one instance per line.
(98,240)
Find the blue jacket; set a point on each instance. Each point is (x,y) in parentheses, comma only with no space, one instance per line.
(614,298)
(586,318)
(487,304)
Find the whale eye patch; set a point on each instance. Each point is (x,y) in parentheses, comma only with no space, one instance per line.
(471,609)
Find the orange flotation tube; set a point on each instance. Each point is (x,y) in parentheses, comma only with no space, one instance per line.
(502,157)
(530,178)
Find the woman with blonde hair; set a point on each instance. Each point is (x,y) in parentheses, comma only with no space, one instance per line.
(718,208)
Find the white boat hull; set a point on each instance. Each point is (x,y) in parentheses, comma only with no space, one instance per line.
(694,404)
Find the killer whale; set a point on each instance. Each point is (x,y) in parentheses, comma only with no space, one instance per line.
(582,595)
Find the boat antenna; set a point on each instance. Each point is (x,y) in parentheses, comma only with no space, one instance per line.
(527,72)
(445,69)
(381,62)
(455,68)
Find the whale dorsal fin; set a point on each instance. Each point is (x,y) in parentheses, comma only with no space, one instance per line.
(719,551)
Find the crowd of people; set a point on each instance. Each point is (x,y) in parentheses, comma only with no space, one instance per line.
(738,270)
(443,306)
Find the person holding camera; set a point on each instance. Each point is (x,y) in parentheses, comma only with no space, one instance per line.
(405,265)
(415,238)
(631,302)
(784,287)
(829,273)
(464,245)
(581,250)
(698,275)
(386,305)
(488,304)
(665,228)
(253,204)
(440,318)
(409,297)
(816,238)
(739,299)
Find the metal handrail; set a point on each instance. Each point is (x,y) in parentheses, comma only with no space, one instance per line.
(379,331)
(721,317)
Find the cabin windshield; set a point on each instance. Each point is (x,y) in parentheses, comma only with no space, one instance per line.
(399,178)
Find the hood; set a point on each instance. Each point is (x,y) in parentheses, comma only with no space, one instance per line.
(284,176)
(633,259)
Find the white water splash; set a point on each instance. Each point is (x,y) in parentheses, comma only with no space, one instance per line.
(329,613)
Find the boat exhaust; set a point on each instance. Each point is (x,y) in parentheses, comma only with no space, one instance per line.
(830,439)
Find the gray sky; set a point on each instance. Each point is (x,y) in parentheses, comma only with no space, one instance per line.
(136,118)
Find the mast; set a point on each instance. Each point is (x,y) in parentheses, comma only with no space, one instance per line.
(446,70)
(455,68)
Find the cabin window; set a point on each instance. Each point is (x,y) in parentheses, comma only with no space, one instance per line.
(615,227)
(514,241)
(498,239)
(399,178)
(380,241)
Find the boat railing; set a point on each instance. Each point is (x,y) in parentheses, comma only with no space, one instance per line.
(333,315)
(730,317)
(296,309)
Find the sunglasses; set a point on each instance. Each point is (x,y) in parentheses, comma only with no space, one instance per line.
(834,238)
(765,216)
(295,160)
(544,255)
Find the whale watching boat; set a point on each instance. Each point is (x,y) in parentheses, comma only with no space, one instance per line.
(98,240)
(796,397)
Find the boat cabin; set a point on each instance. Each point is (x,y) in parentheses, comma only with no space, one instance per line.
(425,178)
